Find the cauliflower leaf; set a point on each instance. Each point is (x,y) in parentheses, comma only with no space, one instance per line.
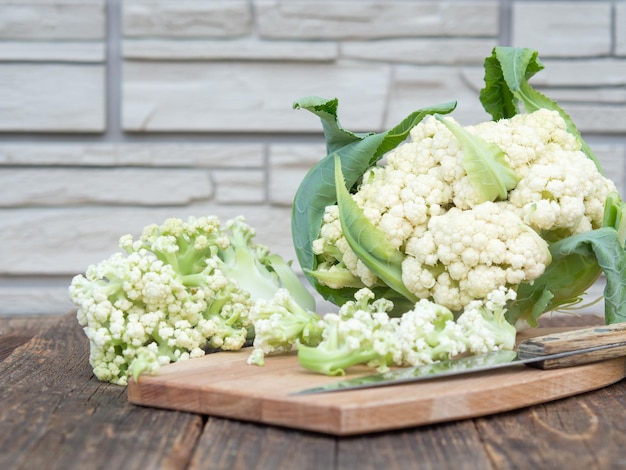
(507,72)
(485,164)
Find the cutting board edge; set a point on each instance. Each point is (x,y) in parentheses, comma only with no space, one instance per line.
(411,414)
(345,420)
(616,369)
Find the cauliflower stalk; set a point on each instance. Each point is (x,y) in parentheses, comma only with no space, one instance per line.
(182,288)
(279,324)
(454,212)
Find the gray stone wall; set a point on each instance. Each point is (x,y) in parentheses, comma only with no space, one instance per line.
(121,113)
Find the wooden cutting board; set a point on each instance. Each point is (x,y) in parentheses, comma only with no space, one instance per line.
(223,384)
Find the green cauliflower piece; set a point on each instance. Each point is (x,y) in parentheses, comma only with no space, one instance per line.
(181,289)
(362,332)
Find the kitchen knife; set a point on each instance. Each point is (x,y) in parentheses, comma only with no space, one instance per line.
(551,351)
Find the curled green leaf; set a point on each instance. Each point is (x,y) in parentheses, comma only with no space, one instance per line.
(369,242)
(491,176)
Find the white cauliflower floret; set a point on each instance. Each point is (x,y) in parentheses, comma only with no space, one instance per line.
(471,253)
(426,334)
(484,325)
(119,336)
(528,138)
(339,265)
(564,194)
(363,333)
(279,324)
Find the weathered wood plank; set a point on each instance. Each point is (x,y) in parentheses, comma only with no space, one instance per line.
(586,431)
(55,414)
(455,445)
(229,445)
(15,331)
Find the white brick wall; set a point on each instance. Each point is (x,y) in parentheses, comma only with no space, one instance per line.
(564,29)
(119,113)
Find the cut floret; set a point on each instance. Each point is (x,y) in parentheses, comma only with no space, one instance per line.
(280,323)
(484,323)
(363,333)
(360,333)
(427,334)
(183,287)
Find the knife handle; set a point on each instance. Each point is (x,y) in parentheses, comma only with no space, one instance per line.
(574,340)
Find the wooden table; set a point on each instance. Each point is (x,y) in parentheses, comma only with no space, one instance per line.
(55,414)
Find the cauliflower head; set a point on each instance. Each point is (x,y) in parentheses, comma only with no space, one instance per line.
(458,246)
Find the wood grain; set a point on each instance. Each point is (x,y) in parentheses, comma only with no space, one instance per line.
(15,332)
(582,432)
(222,384)
(229,444)
(55,414)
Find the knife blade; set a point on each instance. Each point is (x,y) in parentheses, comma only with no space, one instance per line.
(552,351)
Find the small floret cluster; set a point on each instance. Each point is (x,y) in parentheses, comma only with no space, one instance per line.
(279,324)
(182,288)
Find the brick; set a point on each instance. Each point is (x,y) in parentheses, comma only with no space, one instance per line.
(52,97)
(375,19)
(289,163)
(239,49)
(55,20)
(418,87)
(191,18)
(612,158)
(586,95)
(200,155)
(448,51)
(63,241)
(64,51)
(620,29)
(606,72)
(563,29)
(252,97)
(27,296)
(239,186)
(597,118)
(115,186)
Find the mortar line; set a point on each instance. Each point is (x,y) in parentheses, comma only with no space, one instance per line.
(113,93)
(505,23)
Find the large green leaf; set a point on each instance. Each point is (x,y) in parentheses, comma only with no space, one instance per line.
(357,152)
(577,262)
(505,71)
